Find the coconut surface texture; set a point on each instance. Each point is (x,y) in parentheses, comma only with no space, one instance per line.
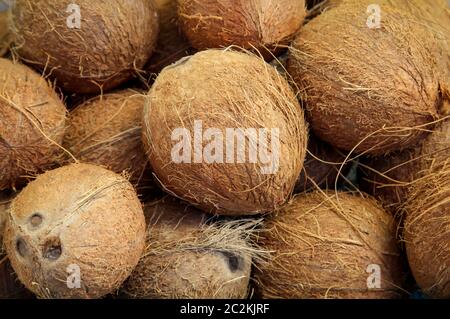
(188,257)
(107,131)
(5,35)
(88,46)
(75,232)
(328,247)
(426,233)
(225,132)
(369,89)
(251,24)
(32,124)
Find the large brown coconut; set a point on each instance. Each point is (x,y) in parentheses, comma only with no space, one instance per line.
(76,222)
(113,40)
(325,244)
(427,232)
(244,107)
(32,124)
(251,24)
(107,131)
(188,257)
(378,103)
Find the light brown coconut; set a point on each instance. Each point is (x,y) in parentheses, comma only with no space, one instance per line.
(77,217)
(32,124)
(189,257)
(251,24)
(427,232)
(114,41)
(322,246)
(225,90)
(371,90)
(107,131)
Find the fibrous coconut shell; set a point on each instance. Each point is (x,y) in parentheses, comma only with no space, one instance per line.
(5,35)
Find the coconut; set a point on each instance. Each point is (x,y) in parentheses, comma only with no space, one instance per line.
(379,103)
(107,131)
(87,46)
(330,245)
(32,124)
(426,233)
(75,232)
(5,36)
(220,96)
(261,25)
(189,257)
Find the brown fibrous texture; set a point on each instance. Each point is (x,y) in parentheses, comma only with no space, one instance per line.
(107,131)
(113,42)
(252,24)
(76,222)
(223,91)
(189,257)
(323,245)
(427,232)
(32,124)
(5,35)
(367,89)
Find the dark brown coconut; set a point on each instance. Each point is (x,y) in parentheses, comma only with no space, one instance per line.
(427,231)
(5,35)
(369,89)
(114,41)
(186,257)
(225,89)
(78,216)
(107,131)
(260,25)
(323,246)
(32,124)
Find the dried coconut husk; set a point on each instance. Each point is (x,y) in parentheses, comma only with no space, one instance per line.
(5,35)
(322,245)
(427,229)
(107,130)
(77,216)
(188,256)
(225,89)
(113,43)
(369,90)
(32,124)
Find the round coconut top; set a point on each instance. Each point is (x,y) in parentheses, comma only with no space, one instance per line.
(225,94)
(88,46)
(250,24)
(188,256)
(107,131)
(427,229)
(369,104)
(32,123)
(75,232)
(323,244)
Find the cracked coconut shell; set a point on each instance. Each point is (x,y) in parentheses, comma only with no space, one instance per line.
(113,42)
(32,124)
(77,217)
(369,89)
(225,91)
(189,257)
(251,24)
(107,131)
(323,244)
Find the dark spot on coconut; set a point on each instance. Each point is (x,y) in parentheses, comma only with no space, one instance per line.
(52,248)
(21,247)
(36,219)
(234,261)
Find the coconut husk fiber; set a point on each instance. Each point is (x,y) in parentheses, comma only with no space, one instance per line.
(5,35)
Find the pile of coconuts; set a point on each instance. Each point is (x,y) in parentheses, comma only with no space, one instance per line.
(203,149)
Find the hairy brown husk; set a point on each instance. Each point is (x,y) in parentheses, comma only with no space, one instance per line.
(107,131)
(225,89)
(251,24)
(89,217)
(322,246)
(369,90)
(115,40)
(188,257)
(5,35)
(32,124)
(427,232)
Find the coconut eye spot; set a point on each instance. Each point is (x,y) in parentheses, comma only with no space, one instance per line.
(52,249)
(21,247)
(235,262)
(36,219)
